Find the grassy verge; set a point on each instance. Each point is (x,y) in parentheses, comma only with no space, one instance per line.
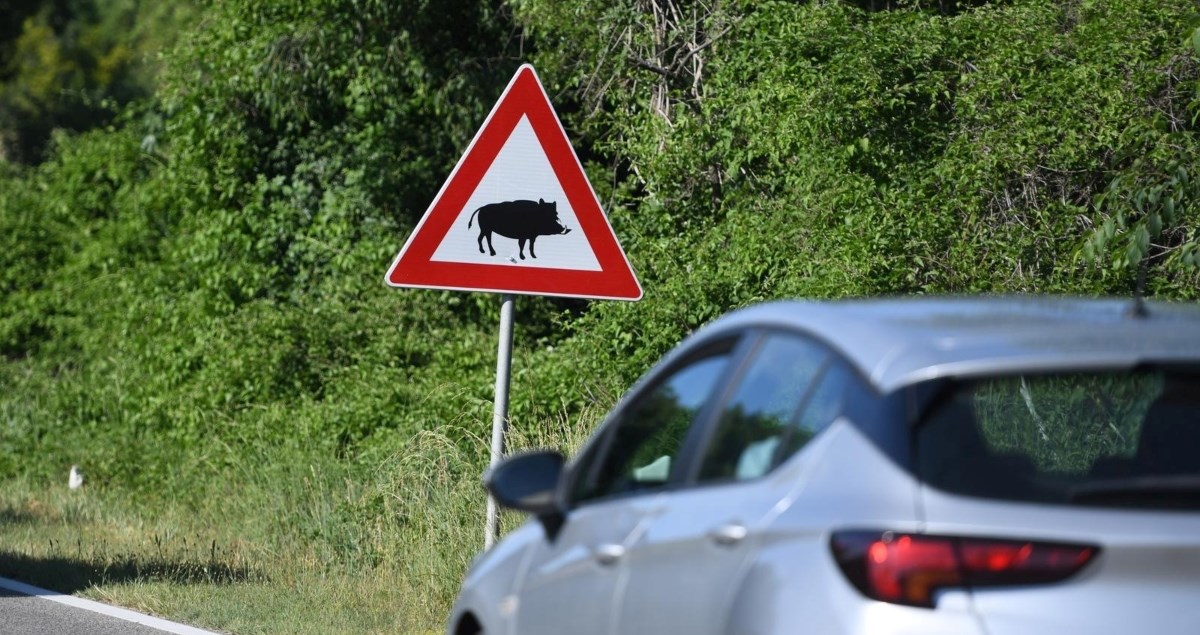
(284,544)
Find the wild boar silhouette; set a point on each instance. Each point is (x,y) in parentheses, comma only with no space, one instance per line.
(522,220)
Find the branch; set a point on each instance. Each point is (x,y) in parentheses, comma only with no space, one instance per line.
(650,66)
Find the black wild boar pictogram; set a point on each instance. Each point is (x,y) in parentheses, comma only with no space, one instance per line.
(522,220)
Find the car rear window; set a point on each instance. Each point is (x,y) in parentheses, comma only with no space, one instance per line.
(1098,438)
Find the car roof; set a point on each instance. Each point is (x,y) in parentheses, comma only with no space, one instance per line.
(896,342)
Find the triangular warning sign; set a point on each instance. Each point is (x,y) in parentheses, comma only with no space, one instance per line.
(517,214)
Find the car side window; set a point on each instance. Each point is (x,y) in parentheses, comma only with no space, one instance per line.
(641,451)
(755,419)
(820,409)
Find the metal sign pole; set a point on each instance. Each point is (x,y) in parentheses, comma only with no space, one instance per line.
(500,409)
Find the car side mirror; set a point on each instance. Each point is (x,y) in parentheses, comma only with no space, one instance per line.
(529,482)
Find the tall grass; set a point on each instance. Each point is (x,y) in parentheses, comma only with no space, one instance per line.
(280,541)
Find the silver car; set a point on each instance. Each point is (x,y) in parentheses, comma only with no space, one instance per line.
(1001,466)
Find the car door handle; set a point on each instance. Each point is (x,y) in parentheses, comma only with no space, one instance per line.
(608,555)
(728,535)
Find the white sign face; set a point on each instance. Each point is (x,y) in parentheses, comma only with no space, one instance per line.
(520,172)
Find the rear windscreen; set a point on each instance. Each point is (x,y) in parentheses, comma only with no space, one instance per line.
(1129,438)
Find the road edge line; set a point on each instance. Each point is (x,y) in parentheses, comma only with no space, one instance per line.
(104,609)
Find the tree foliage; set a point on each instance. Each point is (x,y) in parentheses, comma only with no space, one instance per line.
(70,64)
(200,276)
(766,149)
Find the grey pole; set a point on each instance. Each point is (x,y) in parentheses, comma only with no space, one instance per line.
(500,409)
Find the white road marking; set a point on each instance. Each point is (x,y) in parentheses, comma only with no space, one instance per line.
(104,609)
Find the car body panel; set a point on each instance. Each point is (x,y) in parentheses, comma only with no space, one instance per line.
(699,545)
(678,551)
(493,578)
(772,599)
(1149,564)
(572,580)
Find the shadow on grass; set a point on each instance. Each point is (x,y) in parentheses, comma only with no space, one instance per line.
(90,561)
(68,574)
(10,516)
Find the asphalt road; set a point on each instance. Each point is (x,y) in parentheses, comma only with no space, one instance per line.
(48,613)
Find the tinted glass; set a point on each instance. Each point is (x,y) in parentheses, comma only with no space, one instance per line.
(651,431)
(755,419)
(820,409)
(1090,439)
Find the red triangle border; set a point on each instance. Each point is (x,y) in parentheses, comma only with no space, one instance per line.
(414,267)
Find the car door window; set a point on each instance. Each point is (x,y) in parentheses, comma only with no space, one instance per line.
(819,409)
(640,452)
(755,419)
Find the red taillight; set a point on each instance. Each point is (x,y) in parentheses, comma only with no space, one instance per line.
(911,568)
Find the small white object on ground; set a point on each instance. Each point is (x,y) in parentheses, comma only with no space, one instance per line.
(75,480)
